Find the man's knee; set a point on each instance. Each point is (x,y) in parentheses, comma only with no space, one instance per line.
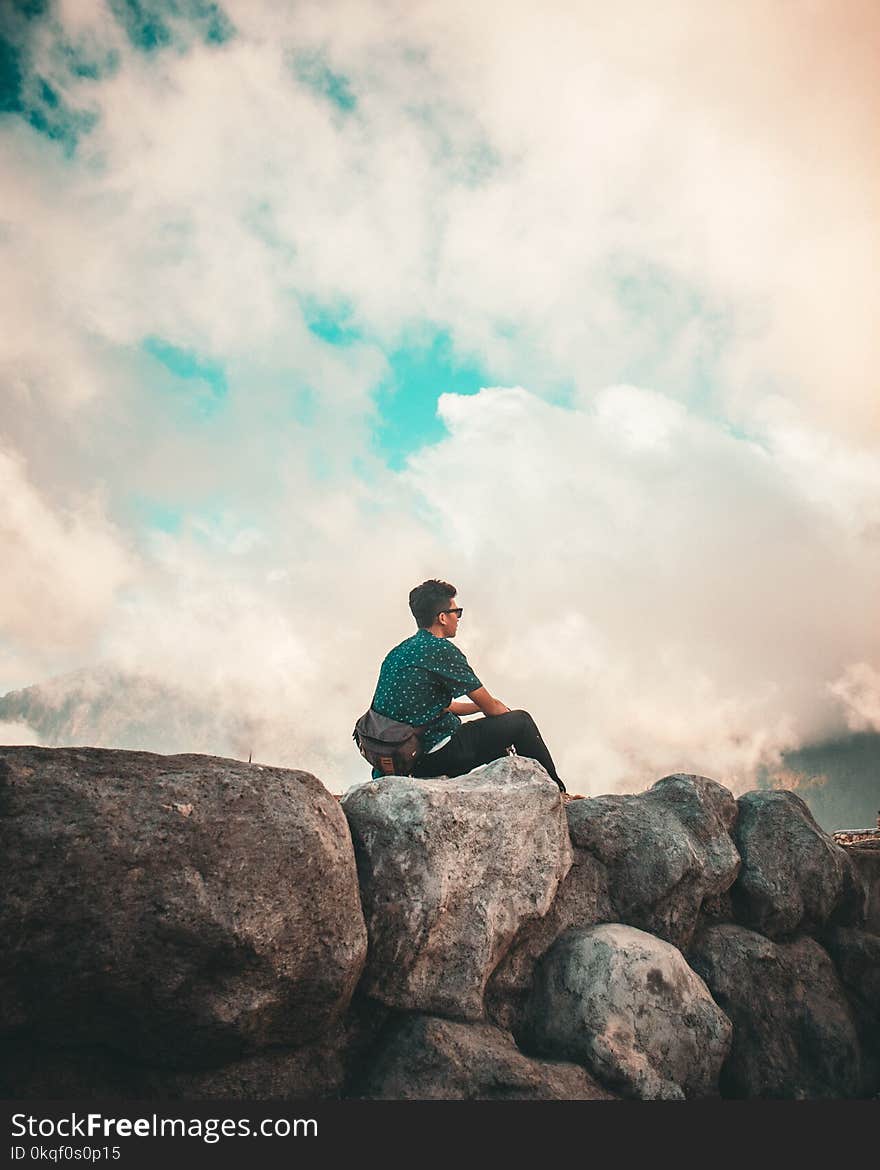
(523,718)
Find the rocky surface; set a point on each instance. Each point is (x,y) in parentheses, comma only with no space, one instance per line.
(793,876)
(653,860)
(866,863)
(431,1059)
(665,851)
(449,871)
(190,927)
(582,900)
(319,1070)
(794,1034)
(856,956)
(186,910)
(627,1006)
(316,1071)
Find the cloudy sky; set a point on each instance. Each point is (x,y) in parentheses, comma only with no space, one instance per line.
(573,305)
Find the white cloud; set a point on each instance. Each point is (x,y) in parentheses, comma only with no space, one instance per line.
(667,211)
(501,173)
(657,596)
(684,599)
(858,689)
(61,568)
(17,732)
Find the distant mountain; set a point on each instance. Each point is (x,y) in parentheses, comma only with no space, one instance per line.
(102,707)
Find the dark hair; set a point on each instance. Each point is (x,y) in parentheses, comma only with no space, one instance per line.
(428,599)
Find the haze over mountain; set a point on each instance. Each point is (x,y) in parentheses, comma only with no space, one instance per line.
(107,707)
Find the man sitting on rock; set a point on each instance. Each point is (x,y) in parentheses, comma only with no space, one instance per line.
(419,680)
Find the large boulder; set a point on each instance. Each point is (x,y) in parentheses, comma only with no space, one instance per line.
(665,851)
(653,860)
(627,1006)
(315,1071)
(794,1034)
(793,877)
(449,870)
(866,863)
(583,899)
(430,1059)
(856,957)
(185,910)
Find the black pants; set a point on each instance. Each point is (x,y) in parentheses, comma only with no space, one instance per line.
(482,740)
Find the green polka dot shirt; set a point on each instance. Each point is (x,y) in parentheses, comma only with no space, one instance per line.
(418,679)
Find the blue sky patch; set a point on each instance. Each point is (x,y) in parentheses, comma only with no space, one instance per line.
(10,77)
(330,323)
(85,61)
(217,28)
(407,399)
(34,99)
(305,406)
(148,23)
(156,515)
(314,72)
(31,9)
(143,23)
(204,378)
(42,107)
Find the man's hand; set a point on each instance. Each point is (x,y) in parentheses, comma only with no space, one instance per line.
(459,707)
(484,702)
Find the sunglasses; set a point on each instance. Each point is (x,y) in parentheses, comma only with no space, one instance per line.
(458,611)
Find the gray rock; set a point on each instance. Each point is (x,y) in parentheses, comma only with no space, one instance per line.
(856,956)
(429,1059)
(794,1034)
(627,1006)
(793,877)
(449,870)
(653,860)
(666,851)
(185,910)
(866,863)
(716,909)
(581,900)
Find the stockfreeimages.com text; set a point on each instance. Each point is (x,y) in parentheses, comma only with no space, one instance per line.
(210,1129)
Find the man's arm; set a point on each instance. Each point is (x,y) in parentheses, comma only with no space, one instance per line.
(460,707)
(484,702)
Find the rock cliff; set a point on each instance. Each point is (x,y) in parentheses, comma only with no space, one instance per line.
(187,926)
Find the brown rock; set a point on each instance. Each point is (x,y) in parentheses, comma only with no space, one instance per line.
(856,956)
(184,910)
(666,851)
(651,860)
(430,1059)
(793,1031)
(793,877)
